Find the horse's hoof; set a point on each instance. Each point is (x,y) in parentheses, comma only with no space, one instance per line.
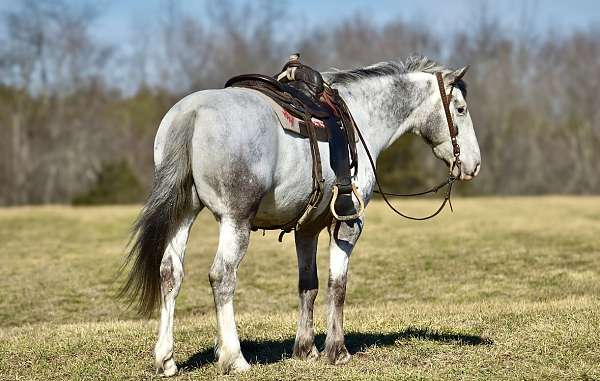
(165,363)
(305,353)
(343,359)
(170,369)
(167,369)
(314,354)
(337,354)
(239,365)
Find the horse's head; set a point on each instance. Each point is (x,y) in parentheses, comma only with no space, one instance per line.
(435,129)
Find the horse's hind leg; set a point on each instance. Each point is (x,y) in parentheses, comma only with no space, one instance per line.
(171,276)
(308,286)
(233,242)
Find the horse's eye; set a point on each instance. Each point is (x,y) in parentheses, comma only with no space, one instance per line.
(461,110)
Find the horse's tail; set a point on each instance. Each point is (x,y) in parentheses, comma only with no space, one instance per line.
(167,205)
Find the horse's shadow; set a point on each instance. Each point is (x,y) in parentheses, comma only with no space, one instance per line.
(271,351)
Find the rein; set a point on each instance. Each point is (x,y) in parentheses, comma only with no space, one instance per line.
(449,182)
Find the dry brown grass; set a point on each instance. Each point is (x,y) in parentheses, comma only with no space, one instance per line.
(502,289)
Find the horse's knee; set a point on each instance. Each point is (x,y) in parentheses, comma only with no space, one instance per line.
(215,275)
(223,280)
(171,275)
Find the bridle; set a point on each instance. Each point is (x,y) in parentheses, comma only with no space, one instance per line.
(446,99)
(449,182)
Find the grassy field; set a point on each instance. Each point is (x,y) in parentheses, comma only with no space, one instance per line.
(501,289)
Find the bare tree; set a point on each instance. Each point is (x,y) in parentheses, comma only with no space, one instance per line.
(65,116)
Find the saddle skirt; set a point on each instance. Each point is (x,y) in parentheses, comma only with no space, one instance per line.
(296,125)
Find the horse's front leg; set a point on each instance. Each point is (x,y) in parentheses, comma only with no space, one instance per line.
(343,237)
(233,242)
(308,286)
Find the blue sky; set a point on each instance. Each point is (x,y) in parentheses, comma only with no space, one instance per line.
(117,16)
(561,16)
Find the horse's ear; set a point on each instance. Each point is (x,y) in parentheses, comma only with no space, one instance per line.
(452,77)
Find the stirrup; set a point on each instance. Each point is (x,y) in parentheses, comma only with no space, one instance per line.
(361,205)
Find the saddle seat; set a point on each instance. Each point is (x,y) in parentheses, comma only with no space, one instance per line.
(287,95)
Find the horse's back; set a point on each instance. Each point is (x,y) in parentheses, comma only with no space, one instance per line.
(224,118)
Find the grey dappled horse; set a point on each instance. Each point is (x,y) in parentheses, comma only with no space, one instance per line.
(224,150)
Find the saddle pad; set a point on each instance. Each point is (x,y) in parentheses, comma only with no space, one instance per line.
(290,123)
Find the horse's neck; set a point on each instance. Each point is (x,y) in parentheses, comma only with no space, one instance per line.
(384,108)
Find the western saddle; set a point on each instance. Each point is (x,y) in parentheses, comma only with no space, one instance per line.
(301,92)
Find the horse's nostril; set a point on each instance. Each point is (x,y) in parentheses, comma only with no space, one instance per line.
(477,168)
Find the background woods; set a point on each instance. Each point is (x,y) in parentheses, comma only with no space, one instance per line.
(78,115)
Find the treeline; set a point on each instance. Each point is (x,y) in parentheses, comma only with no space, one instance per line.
(78,117)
